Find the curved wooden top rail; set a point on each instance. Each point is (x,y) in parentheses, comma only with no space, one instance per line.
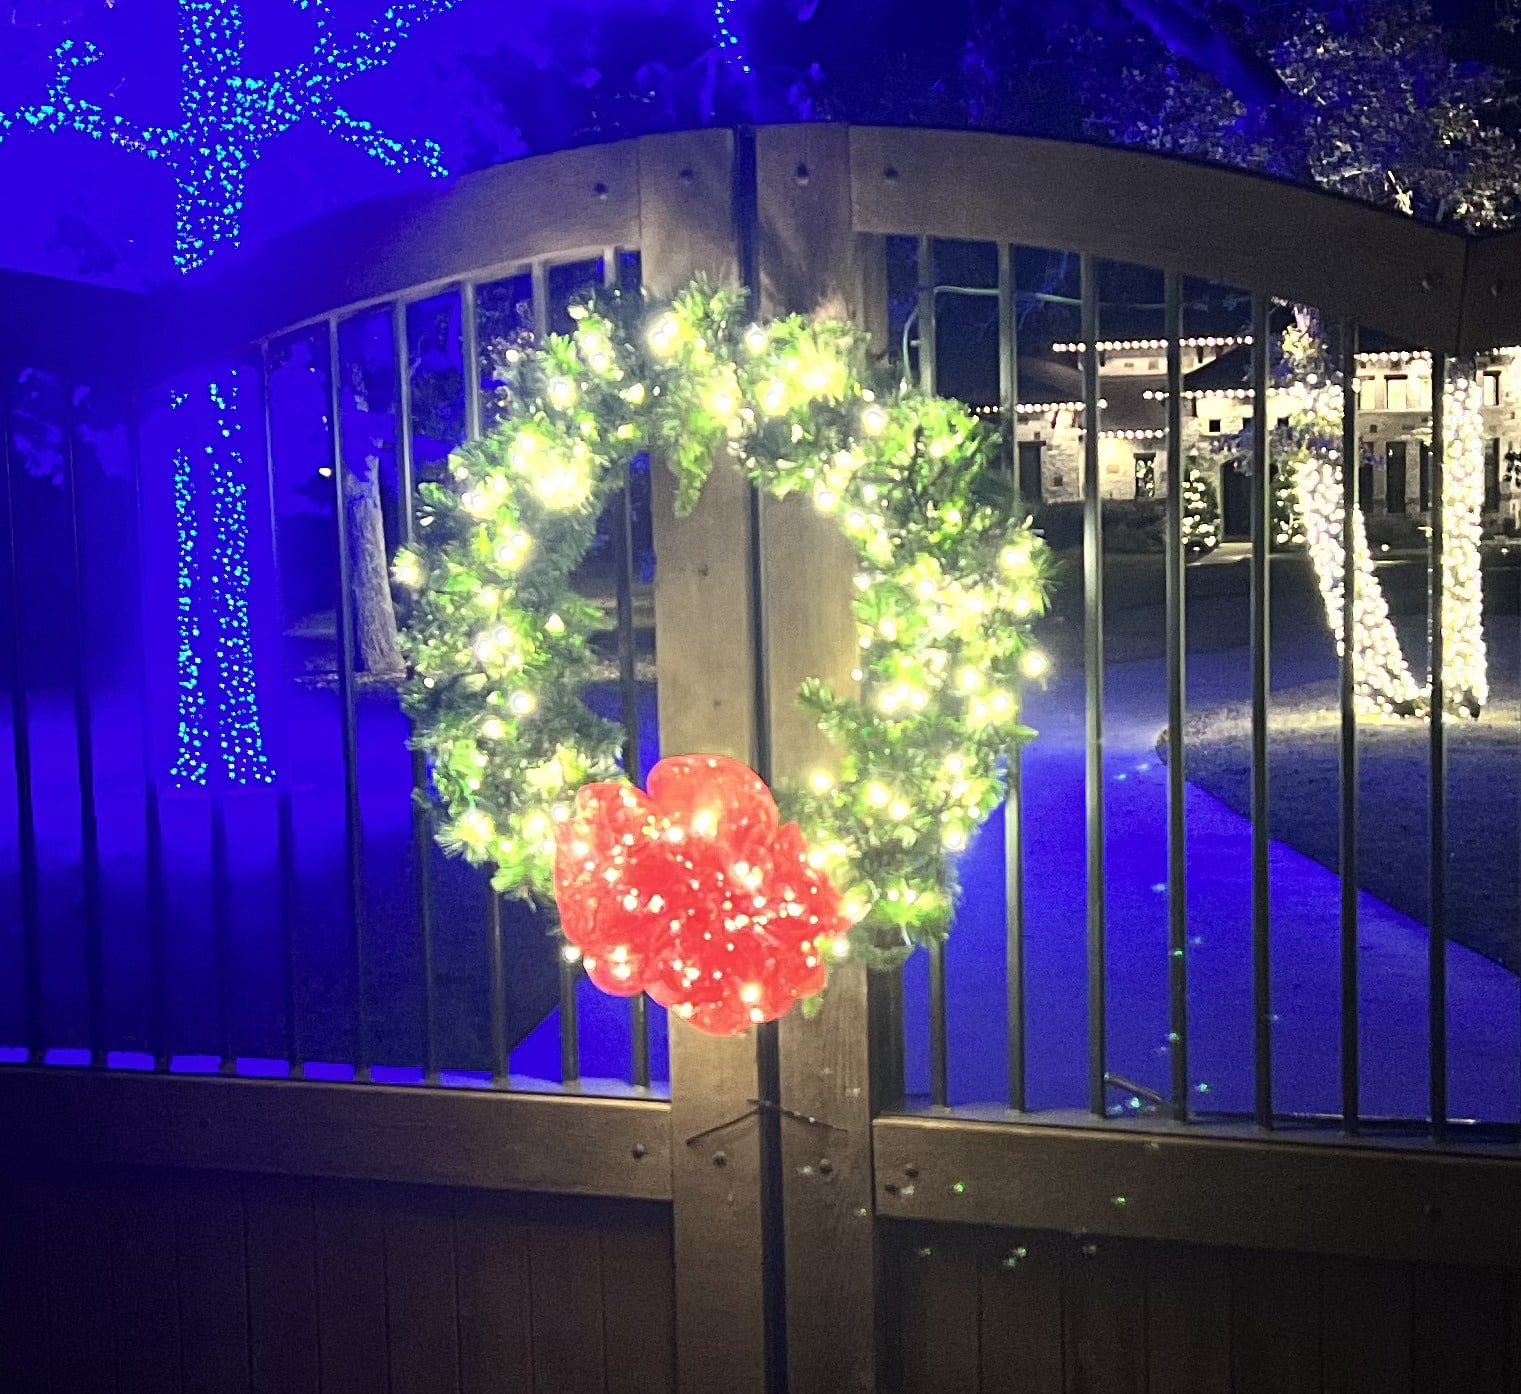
(1346,258)
(491,222)
(1437,287)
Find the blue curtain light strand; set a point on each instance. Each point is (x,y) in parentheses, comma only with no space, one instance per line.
(220,733)
(240,737)
(729,46)
(228,114)
(190,763)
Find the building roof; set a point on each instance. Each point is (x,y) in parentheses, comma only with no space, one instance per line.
(1044,381)
(1232,369)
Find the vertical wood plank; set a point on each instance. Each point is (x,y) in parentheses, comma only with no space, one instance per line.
(638,1310)
(1460,1330)
(1021,1299)
(1275,1323)
(81,1322)
(566,1268)
(1188,1319)
(705,670)
(1105,1317)
(1365,1323)
(495,1315)
(282,1286)
(146,1283)
(351,1290)
(423,1329)
(702,617)
(811,260)
(828,1191)
(702,583)
(211,1273)
(933,1323)
(23,1285)
(685,226)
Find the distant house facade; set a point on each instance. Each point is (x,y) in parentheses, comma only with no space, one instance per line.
(1394,425)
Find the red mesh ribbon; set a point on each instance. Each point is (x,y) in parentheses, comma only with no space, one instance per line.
(696,894)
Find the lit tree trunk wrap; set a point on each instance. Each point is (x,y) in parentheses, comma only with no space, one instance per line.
(1466,679)
(1384,684)
(379,644)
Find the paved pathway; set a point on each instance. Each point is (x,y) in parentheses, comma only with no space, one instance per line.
(1484,1018)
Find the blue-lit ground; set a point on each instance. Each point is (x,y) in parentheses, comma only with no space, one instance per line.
(1484,1017)
(1485,1000)
(324,946)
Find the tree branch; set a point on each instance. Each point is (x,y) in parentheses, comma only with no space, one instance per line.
(1244,73)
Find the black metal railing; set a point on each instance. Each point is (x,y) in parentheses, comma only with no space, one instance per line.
(40,1037)
(1267,1109)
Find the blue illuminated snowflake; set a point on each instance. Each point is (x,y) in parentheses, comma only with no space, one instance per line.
(227,113)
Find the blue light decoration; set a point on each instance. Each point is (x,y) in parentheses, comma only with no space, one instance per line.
(729,46)
(228,114)
(190,763)
(220,733)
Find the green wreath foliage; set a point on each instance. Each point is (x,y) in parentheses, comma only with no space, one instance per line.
(951,578)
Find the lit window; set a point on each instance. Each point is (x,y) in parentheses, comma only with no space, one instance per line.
(1367,394)
(1399,394)
(1491,389)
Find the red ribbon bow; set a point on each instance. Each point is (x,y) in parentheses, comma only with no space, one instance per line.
(696,894)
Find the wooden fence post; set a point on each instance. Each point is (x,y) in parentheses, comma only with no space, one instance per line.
(706,668)
(810,259)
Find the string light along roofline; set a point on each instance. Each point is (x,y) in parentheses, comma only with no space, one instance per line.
(988,412)
(227,113)
(1154,345)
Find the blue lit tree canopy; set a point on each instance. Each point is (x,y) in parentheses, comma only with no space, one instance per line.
(151,132)
(229,111)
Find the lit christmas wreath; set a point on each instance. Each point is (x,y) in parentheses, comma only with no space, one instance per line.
(950,581)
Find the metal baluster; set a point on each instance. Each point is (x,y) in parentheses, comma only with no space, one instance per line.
(628,685)
(352,825)
(285,814)
(290,911)
(470,371)
(927,325)
(938,1063)
(1348,859)
(221,926)
(422,836)
(1262,524)
(470,359)
(84,744)
(1437,959)
(570,961)
(1093,671)
(538,278)
(153,828)
(1177,644)
(928,331)
(1013,801)
(21,735)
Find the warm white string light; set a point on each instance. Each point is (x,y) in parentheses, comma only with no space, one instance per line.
(1155,345)
(1465,679)
(1383,681)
